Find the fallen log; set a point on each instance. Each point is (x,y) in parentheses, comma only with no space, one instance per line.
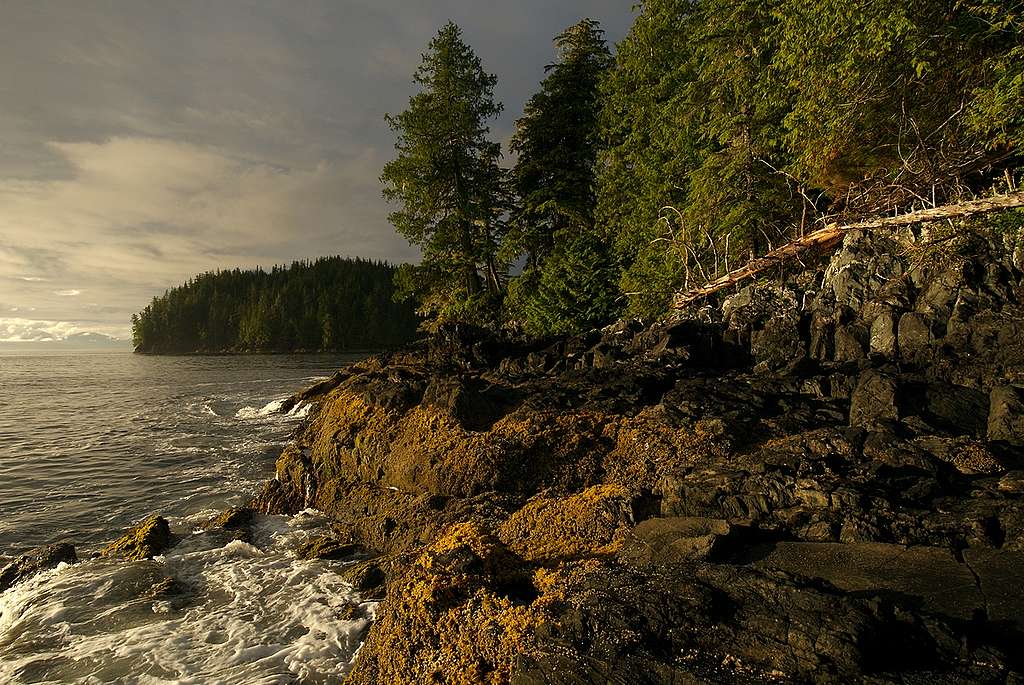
(832,234)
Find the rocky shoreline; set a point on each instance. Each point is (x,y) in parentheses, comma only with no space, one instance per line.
(819,478)
(815,480)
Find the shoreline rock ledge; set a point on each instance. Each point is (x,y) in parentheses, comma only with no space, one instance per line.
(816,479)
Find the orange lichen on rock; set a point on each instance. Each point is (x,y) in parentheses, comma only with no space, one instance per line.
(647,447)
(458,612)
(590,523)
(423,449)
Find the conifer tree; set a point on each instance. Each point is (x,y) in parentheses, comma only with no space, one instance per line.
(565,285)
(447,179)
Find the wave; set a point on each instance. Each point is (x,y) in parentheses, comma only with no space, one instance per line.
(300,410)
(233,612)
(270,408)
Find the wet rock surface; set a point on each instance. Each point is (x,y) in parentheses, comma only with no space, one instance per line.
(818,480)
(145,540)
(34,561)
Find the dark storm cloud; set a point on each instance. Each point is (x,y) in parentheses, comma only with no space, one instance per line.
(143,142)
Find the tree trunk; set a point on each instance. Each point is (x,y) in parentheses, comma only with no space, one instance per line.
(832,234)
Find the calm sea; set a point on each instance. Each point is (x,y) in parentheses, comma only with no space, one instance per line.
(92,442)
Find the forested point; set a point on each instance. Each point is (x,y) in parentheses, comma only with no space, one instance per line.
(713,133)
(330,304)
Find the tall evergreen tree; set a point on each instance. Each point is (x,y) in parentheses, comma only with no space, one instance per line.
(447,179)
(650,148)
(565,284)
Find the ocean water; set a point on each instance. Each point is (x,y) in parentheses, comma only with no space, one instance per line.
(93,442)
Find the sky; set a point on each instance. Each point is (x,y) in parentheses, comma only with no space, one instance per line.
(143,141)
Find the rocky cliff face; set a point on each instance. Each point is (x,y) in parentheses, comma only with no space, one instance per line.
(813,480)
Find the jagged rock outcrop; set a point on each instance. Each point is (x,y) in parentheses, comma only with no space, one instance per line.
(817,480)
(144,540)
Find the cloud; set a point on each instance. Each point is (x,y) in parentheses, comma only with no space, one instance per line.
(147,142)
(138,215)
(33,330)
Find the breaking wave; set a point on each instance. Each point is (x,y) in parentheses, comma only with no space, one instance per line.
(269,409)
(209,611)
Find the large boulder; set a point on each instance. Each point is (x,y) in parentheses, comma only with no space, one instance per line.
(326,547)
(589,523)
(931,575)
(914,333)
(874,400)
(36,560)
(674,540)
(883,334)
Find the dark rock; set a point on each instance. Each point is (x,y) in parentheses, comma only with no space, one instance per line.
(928,575)
(327,547)
(603,355)
(36,560)
(475,405)
(1006,415)
(874,400)
(822,337)
(998,574)
(849,343)
(941,290)
(915,333)
(233,518)
(883,334)
(143,541)
(236,520)
(315,392)
(368,577)
(673,540)
(1012,482)
(275,498)
(777,344)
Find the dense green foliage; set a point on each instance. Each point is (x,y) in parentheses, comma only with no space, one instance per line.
(721,129)
(732,125)
(447,179)
(328,304)
(565,283)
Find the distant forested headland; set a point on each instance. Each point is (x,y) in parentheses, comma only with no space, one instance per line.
(330,304)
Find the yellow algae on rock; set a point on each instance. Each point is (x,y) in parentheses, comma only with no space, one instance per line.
(143,541)
(463,613)
(590,523)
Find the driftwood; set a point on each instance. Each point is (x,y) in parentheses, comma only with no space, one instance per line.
(832,234)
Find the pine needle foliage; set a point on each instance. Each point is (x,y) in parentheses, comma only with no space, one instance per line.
(447,180)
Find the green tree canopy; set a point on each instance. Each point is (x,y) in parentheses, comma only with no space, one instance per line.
(447,179)
(565,285)
(331,303)
(733,123)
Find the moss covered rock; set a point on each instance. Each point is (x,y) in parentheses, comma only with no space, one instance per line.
(143,541)
(461,611)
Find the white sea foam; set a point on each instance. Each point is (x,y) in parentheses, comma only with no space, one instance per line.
(300,410)
(248,614)
(269,409)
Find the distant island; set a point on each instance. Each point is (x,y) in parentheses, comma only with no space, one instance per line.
(330,304)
